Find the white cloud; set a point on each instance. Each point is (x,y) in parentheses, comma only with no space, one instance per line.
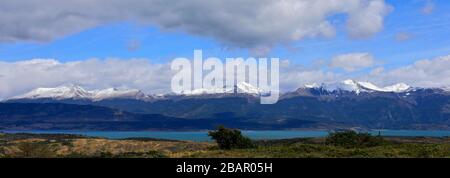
(353,61)
(20,77)
(367,21)
(248,24)
(428,73)
(423,73)
(293,76)
(377,71)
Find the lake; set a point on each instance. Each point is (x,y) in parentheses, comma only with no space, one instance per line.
(258,135)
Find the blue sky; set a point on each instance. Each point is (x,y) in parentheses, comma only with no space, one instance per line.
(410,32)
(428,37)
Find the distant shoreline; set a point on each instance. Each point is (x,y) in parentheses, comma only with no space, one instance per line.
(201,136)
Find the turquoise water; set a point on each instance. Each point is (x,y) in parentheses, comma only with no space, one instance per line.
(202,135)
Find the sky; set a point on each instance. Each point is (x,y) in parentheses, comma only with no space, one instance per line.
(129,44)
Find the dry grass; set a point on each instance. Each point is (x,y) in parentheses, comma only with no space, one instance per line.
(39,146)
(94,147)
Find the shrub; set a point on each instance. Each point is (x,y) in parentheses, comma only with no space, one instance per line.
(35,150)
(352,139)
(230,139)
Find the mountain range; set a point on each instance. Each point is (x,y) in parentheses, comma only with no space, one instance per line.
(345,104)
(78,93)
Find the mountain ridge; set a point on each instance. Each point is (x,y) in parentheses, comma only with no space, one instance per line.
(309,107)
(78,92)
(358,87)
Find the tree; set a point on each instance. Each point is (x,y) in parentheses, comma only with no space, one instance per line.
(230,138)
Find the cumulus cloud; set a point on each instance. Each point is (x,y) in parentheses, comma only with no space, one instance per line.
(367,21)
(353,61)
(293,76)
(22,76)
(247,24)
(423,73)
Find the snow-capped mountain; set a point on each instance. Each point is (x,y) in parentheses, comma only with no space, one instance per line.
(248,88)
(61,92)
(358,87)
(241,87)
(400,87)
(110,93)
(77,92)
(317,105)
(203,91)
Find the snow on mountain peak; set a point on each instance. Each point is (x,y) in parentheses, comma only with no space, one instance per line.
(313,85)
(244,87)
(77,92)
(241,87)
(61,92)
(358,87)
(117,93)
(346,85)
(202,91)
(350,85)
(400,87)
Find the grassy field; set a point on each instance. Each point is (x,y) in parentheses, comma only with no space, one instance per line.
(73,146)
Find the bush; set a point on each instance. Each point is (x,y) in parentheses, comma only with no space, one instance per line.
(352,139)
(230,139)
(35,150)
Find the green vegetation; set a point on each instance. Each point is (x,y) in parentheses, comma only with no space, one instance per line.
(352,139)
(337,145)
(230,138)
(301,150)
